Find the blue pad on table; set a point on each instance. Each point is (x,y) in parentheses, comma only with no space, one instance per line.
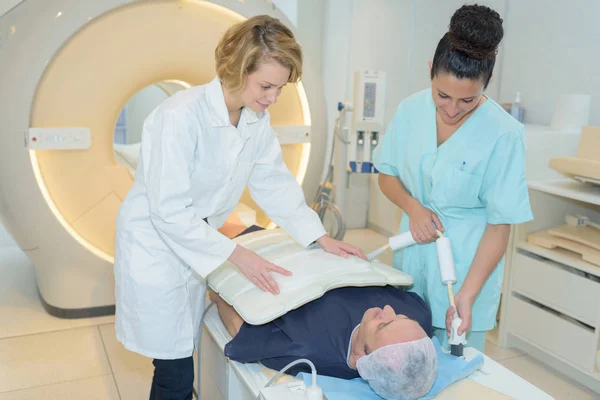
(450,370)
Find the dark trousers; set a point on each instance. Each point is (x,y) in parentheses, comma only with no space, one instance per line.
(250,229)
(173,379)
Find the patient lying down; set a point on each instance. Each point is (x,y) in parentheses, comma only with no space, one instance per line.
(381,334)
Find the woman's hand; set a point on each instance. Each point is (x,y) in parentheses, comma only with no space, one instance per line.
(338,248)
(422,222)
(464,304)
(257,269)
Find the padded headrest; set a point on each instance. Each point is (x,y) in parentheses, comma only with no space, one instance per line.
(314,273)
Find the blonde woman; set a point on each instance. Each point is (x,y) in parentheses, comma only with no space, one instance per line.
(200,148)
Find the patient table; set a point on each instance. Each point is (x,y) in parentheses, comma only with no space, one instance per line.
(223,379)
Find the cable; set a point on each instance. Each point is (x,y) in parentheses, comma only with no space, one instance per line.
(376,253)
(313,372)
(199,360)
(322,203)
(451,296)
(336,129)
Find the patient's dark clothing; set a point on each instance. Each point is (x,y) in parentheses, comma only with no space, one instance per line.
(320,330)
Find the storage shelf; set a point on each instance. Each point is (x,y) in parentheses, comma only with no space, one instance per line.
(561,256)
(591,374)
(568,188)
(556,307)
(555,280)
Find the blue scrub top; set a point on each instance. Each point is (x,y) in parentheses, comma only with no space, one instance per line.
(475,178)
(320,330)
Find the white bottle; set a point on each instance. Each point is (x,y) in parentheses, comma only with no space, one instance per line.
(517,110)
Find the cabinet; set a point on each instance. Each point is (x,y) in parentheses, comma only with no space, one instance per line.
(551,298)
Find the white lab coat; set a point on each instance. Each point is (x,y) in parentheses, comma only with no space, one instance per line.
(193,165)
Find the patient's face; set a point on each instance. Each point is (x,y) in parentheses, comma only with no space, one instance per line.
(382,327)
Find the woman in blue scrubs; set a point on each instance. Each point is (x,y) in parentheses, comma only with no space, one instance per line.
(452,159)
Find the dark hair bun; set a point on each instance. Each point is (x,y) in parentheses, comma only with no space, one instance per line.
(476,31)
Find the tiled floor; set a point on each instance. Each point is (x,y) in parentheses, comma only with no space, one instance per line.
(42,357)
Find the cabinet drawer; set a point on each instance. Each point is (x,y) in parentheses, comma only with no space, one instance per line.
(554,334)
(555,286)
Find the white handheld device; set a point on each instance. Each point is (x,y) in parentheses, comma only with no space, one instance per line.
(448,275)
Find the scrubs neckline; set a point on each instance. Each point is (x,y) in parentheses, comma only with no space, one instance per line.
(460,128)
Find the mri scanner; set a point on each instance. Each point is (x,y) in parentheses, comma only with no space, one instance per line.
(67,68)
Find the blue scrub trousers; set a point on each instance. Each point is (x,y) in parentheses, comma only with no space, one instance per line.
(173,379)
(475,339)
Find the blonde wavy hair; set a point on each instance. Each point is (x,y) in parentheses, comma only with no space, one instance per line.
(247,45)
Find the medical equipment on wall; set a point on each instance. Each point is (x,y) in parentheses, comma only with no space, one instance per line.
(359,142)
(323,201)
(367,119)
(448,275)
(353,157)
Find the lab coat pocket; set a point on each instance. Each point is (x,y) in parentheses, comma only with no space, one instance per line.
(209,180)
(461,189)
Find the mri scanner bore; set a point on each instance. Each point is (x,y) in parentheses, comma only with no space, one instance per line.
(130,123)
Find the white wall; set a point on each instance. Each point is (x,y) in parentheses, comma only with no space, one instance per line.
(289,8)
(6,239)
(7,5)
(551,48)
(310,25)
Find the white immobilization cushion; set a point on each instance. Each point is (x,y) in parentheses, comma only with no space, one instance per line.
(314,273)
